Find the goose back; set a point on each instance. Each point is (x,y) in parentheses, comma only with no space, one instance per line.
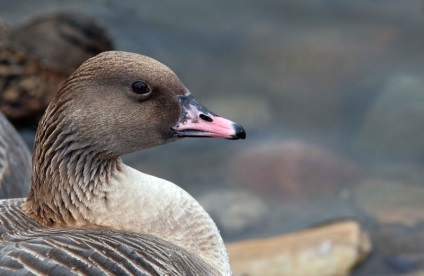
(15,162)
(27,247)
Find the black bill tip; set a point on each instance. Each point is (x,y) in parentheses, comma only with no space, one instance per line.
(240,133)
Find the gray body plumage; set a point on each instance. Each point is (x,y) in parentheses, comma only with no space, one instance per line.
(28,248)
(15,162)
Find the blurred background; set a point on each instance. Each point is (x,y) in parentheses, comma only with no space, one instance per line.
(331,94)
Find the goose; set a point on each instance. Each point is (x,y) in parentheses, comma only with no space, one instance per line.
(15,162)
(37,56)
(89,213)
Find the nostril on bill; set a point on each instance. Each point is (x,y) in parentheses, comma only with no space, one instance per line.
(205,118)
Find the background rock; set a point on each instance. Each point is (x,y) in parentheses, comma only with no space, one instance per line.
(393,127)
(328,250)
(291,170)
(391,201)
(235,211)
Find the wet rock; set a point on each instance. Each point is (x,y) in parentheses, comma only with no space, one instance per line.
(38,56)
(292,170)
(333,249)
(398,235)
(393,127)
(402,264)
(391,201)
(234,211)
(398,248)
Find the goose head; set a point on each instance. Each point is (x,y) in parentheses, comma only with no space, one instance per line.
(120,102)
(117,103)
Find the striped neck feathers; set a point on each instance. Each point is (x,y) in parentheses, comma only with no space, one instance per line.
(67,173)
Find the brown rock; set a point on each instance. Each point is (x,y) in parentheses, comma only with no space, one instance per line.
(292,170)
(327,250)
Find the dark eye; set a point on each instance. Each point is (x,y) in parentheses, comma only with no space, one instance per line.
(140,87)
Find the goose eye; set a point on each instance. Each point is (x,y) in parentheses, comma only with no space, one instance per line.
(140,87)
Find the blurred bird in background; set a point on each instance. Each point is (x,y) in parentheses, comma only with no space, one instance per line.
(37,57)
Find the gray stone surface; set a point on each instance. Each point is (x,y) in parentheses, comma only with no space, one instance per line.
(394,128)
(235,211)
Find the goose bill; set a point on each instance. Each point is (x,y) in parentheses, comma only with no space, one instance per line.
(197,121)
